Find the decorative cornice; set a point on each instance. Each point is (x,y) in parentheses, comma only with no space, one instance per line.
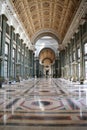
(7,9)
(82,10)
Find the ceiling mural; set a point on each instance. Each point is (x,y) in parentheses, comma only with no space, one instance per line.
(53,15)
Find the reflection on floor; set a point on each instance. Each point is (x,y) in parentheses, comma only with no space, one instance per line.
(43,102)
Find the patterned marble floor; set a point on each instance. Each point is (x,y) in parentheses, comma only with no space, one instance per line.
(51,103)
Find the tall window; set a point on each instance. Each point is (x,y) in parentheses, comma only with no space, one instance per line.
(19,56)
(13,52)
(85,48)
(14,62)
(5,68)
(6,48)
(78,52)
(79,70)
(74,56)
(85,69)
(6,60)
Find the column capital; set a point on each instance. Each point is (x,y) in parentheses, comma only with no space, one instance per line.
(4,17)
(12,27)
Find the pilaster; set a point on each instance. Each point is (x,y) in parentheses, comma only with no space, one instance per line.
(11,53)
(2,45)
(81,57)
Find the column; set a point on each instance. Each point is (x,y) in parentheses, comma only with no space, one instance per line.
(75,61)
(21,57)
(56,67)
(27,74)
(17,59)
(76,58)
(59,68)
(67,63)
(65,66)
(11,53)
(81,57)
(31,63)
(24,62)
(71,60)
(2,45)
(69,73)
(0,42)
(37,67)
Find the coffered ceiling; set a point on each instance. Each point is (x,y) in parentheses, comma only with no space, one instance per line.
(46,15)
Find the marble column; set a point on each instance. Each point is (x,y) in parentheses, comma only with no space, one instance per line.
(74,63)
(69,63)
(37,67)
(0,42)
(24,61)
(27,62)
(76,58)
(17,60)
(2,45)
(81,57)
(11,52)
(72,59)
(21,41)
(31,63)
(60,63)
(56,68)
(18,64)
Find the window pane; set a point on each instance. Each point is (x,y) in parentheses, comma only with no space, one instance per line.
(79,53)
(6,48)
(86,69)
(13,53)
(85,48)
(79,69)
(5,69)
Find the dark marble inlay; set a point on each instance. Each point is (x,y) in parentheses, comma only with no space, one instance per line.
(10,90)
(43,103)
(83,117)
(62,92)
(12,103)
(19,117)
(78,91)
(44,91)
(73,105)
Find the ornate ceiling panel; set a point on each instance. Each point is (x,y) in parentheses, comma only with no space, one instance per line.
(54,15)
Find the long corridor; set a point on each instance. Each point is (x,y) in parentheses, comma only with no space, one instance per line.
(39,104)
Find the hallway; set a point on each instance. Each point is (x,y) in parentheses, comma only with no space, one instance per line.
(43,104)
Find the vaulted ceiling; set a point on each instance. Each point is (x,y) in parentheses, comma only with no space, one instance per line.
(47,56)
(39,16)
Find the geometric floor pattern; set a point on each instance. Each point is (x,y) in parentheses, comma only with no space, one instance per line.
(43,102)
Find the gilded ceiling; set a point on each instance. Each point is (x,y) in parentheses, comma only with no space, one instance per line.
(39,15)
(47,56)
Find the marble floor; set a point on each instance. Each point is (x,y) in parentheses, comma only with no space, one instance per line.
(39,104)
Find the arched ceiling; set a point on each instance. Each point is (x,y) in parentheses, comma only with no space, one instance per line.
(50,15)
(46,42)
(47,56)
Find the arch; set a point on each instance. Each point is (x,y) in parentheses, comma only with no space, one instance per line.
(45,55)
(45,49)
(43,33)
